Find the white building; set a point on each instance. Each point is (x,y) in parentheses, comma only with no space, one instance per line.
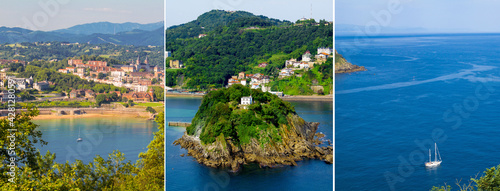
(255,86)
(286,72)
(325,50)
(168,54)
(303,65)
(246,100)
(117,73)
(306,57)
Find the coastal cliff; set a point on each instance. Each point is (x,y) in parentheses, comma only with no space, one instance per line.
(342,66)
(267,132)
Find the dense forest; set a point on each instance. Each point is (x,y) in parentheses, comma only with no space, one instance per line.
(59,51)
(219,113)
(35,171)
(239,44)
(212,20)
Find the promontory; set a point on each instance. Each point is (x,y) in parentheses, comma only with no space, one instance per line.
(237,125)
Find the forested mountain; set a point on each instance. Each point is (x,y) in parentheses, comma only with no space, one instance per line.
(235,47)
(135,37)
(110,28)
(59,51)
(216,18)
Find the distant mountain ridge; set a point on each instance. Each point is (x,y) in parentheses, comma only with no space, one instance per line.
(97,33)
(109,28)
(352,30)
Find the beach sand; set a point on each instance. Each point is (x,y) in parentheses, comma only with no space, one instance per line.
(42,117)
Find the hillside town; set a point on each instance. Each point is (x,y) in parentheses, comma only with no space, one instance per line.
(137,77)
(260,81)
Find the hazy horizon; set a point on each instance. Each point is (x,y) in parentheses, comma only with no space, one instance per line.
(458,16)
(180,12)
(61,14)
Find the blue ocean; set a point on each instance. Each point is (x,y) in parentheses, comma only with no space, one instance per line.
(418,90)
(184,173)
(101,136)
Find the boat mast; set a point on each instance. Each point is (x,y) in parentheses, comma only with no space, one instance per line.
(435,152)
(429,155)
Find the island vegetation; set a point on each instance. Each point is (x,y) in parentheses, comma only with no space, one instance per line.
(268,131)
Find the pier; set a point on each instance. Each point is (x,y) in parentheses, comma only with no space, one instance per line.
(179,124)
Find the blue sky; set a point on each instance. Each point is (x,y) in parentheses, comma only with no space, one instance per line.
(433,15)
(73,12)
(183,11)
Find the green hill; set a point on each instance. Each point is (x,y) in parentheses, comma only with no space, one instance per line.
(268,131)
(214,19)
(236,42)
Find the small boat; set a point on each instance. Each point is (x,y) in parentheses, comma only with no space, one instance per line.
(79,138)
(436,162)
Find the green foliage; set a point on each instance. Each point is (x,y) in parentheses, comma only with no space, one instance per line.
(218,115)
(490,181)
(159,92)
(39,172)
(150,110)
(230,47)
(319,75)
(39,55)
(73,104)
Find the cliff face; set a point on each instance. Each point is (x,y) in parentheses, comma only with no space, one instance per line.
(298,141)
(342,66)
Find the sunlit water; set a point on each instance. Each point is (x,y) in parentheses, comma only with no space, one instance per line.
(184,173)
(436,88)
(101,136)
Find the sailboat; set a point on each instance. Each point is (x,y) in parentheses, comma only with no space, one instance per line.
(436,162)
(79,138)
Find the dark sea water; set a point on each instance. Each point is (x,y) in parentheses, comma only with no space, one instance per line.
(100,137)
(184,173)
(418,90)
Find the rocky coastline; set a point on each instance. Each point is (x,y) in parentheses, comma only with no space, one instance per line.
(299,141)
(342,66)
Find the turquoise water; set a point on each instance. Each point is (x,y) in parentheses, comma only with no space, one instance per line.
(418,90)
(184,173)
(100,137)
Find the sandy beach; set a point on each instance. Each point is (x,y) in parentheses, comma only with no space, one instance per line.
(93,115)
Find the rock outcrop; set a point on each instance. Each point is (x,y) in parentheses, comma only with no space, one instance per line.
(342,66)
(298,141)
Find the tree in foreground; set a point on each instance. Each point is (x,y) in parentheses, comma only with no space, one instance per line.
(39,172)
(490,181)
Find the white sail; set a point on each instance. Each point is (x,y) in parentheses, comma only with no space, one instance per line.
(436,162)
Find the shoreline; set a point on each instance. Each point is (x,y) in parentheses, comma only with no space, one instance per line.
(288,98)
(183,95)
(49,113)
(92,115)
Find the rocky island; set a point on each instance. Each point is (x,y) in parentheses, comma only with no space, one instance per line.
(239,125)
(342,66)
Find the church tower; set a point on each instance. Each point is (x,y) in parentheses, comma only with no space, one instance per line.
(137,62)
(146,61)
